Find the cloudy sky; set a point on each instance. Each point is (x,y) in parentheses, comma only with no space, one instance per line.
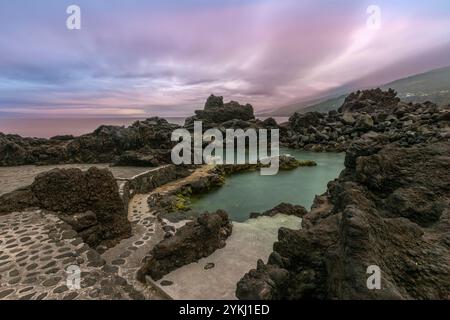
(143,57)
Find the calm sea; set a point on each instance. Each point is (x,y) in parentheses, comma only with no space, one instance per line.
(46,128)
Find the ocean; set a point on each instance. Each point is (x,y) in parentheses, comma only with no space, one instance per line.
(49,127)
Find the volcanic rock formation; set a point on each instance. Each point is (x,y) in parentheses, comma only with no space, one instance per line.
(389,208)
(143,143)
(88,201)
(196,240)
(371,114)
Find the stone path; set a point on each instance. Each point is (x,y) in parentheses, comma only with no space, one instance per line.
(35,251)
(36,248)
(127,255)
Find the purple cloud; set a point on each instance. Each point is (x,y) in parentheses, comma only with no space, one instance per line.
(157,58)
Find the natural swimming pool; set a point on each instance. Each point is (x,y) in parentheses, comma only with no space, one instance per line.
(248,192)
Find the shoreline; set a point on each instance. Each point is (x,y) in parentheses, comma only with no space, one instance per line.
(395,180)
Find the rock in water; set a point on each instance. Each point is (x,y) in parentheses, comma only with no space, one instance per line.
(88,201)
(197,239)
(282,208)
(390,208)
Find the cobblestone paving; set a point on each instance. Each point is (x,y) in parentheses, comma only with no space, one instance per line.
(36,248)
(35,251)
(126,257)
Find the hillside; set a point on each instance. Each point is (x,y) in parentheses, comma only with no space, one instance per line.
(430,86)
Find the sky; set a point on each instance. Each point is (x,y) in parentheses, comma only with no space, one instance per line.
(135,58)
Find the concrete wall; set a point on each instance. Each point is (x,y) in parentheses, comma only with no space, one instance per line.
(149,180)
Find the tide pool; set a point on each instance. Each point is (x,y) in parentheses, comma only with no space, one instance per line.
(248,192)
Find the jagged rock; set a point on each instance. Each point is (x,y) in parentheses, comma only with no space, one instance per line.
(364,122)
(197,239)
(283,208)
(270,123)
(262,284)
(88,201)
(380,112)
(348,118)
(140,142)
(370,101)
(299,121)
(389,208)
(216,113)
(138,159)
(213,102)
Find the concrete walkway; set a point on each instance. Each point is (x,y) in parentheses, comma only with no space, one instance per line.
(250,241)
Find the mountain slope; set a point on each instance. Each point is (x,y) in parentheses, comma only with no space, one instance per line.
(429,86)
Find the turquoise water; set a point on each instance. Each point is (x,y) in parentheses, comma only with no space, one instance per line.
(248,192)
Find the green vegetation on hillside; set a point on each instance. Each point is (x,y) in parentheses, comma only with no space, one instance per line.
(431,86)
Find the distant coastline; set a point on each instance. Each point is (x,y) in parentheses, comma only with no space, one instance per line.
(49,127)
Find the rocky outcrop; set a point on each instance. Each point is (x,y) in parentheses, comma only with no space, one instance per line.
(195,240)
(390,208)
(144,143)
(88,201)
(371,115)
(299,121)
(176,196)
(370,101)
(282,208)
(287,162)
(216,112)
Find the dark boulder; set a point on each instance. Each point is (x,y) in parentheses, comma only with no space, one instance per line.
(261,284)
(303,121)
(213,102)
(270,123)
(195,240)
(283,208)
(17,200)
(88,201)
